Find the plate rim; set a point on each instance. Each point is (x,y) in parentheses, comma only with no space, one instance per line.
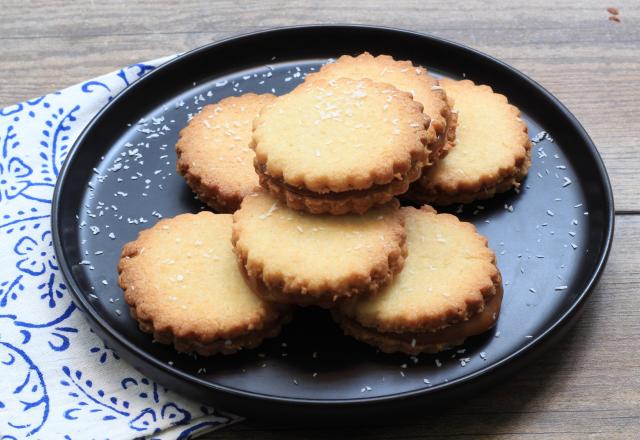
(91,314)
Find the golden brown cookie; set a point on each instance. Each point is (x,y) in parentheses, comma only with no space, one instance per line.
(406,77)
(295,257)
(449,289)
(213,151)
(182,283)
(340,146)
(492,153)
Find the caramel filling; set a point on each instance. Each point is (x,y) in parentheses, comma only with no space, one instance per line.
(477,324)
(415,169)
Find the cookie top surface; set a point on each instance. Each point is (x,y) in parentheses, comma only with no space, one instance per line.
(447,277)
(300,252)
(214,146)
(491,140)
(401,74)
(340,135)
(182,275)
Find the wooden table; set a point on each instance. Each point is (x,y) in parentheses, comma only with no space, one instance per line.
(588,386)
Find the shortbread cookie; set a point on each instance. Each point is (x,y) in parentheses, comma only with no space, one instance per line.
(424,342)
(492,152)
(213,151)
(449,289)
(182,283)
(406,77)
(340,146)
(295,257)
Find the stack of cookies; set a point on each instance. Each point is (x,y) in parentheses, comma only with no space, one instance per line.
(312,180)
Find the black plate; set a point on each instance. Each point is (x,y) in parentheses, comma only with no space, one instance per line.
(552,239)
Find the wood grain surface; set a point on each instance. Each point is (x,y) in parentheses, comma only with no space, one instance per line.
(588,386)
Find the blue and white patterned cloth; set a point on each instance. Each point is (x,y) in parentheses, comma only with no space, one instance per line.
(57,379)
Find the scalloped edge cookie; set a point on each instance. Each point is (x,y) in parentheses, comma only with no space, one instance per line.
(341,193)
(427,342)
(446,189)
(186,335)
(273,283)
(382,322)
(198,155)
(437,105)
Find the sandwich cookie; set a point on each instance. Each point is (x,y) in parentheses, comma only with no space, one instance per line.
(182,284)
(406,77)
(213,151)
(449,289)
(492,152)
(340,146)
(295,257)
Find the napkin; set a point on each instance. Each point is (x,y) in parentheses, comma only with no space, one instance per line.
(57,378)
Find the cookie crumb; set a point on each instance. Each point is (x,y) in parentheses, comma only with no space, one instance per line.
(615,14)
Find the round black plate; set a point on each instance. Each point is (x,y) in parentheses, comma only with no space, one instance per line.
(551,240)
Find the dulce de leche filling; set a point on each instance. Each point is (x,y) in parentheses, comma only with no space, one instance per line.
(393,187)
(477,324)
